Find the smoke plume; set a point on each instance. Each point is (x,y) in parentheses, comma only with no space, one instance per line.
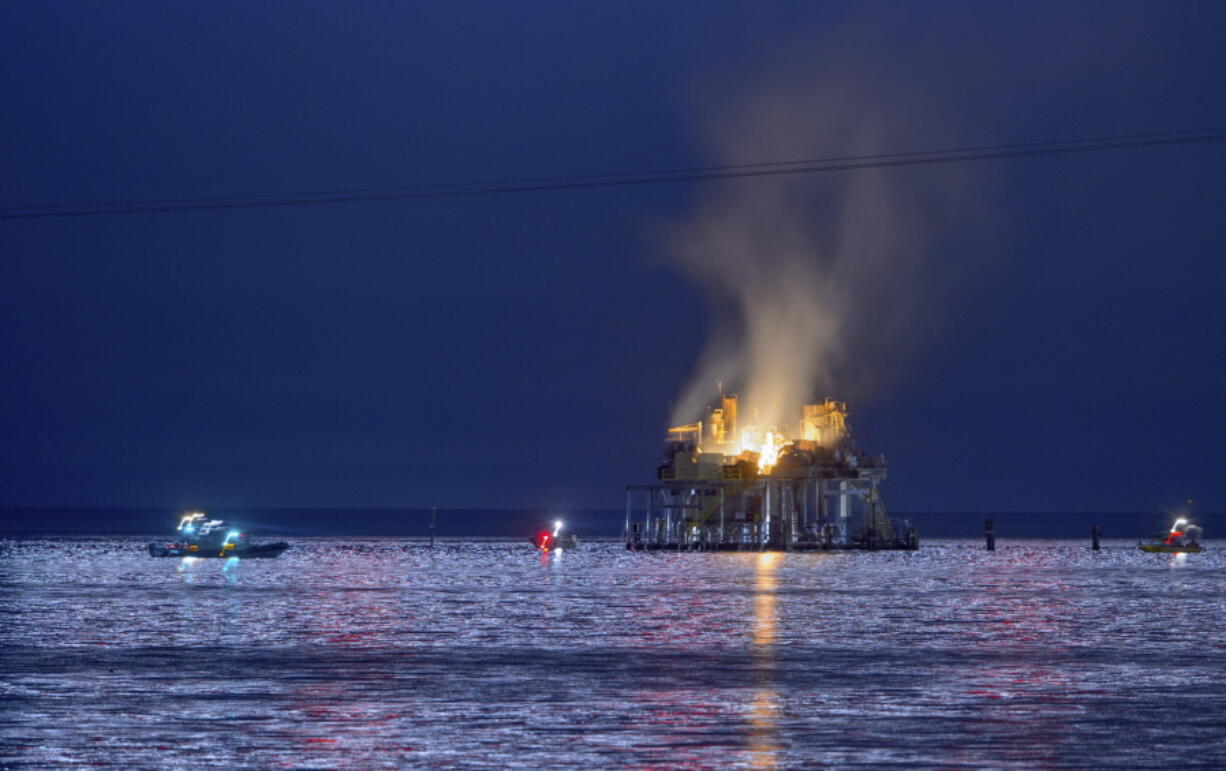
(821,284)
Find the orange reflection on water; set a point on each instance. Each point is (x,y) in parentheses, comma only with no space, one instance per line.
(764,709)
(764,600)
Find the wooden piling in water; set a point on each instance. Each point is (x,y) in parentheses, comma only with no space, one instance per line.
(1095,535)
(990,533)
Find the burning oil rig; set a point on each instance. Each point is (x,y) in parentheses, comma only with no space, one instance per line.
(728,486)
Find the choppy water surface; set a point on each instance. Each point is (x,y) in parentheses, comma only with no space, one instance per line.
(381,652)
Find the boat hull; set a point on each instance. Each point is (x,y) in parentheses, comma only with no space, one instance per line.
(259,551)
(1161,548)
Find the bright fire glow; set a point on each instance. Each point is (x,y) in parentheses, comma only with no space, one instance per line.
(768,448)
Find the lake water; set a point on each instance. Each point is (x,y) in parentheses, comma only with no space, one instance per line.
(380,652)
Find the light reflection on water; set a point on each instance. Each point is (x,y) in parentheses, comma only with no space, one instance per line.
(764,709)
(379,652)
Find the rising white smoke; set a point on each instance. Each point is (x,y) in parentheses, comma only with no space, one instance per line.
(822,284)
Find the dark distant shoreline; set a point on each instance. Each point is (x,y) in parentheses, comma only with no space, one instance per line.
(24,521)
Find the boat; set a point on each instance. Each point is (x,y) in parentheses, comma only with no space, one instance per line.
(199,536)
(545,540)
(1183,538)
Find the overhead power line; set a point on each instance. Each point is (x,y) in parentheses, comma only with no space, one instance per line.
(622,179)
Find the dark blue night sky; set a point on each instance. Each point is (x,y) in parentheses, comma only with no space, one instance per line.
(525,350)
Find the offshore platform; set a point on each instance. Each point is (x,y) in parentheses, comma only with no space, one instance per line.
(728,487)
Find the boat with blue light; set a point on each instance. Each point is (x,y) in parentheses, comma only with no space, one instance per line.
(199,536)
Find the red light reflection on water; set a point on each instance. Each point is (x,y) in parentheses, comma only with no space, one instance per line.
(748,712)
(1020,627)
(335,727)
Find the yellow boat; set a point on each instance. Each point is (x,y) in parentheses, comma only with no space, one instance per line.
(1162,548)
(1182,539)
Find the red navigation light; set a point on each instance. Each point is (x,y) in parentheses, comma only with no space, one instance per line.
(542,539)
